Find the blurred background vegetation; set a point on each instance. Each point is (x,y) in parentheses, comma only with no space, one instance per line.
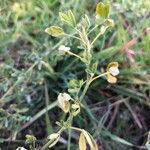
(32,74)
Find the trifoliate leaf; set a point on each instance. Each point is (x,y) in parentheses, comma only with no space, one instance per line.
(54,31)
(102,10)
(82,142)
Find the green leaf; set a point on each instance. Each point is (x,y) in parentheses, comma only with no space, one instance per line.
(68,18)
(30,138)
(102,10)
(92,67)
(55,31)
(85,22)
(74,85)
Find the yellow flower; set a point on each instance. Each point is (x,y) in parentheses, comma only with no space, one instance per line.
(113,71)
(63,101)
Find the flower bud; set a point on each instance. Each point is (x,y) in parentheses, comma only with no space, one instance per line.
(110,22)
(63,49)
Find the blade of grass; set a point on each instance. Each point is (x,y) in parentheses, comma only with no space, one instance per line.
(106,133)
(38,115)
(48,122)
(69,139)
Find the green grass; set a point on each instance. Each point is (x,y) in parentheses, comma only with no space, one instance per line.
(119,113)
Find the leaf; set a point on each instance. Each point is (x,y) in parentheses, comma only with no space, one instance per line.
(94,67)
(54,31)
(82,142)
(95,147)
(102,10)
(68,18)
(72,17)
(54,142)
(30,138)
(74,86)
(87,138)
(85,22)
(53,136)
(74,83)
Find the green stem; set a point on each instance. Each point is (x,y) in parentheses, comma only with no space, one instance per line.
(73,37)
(75,128)
(69,120)
(85,88)
(98,35)
(48,122)
(93,29)
(34,145)
(73,54)
(103,74)
(46,145)
(69,139)
(88,82)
